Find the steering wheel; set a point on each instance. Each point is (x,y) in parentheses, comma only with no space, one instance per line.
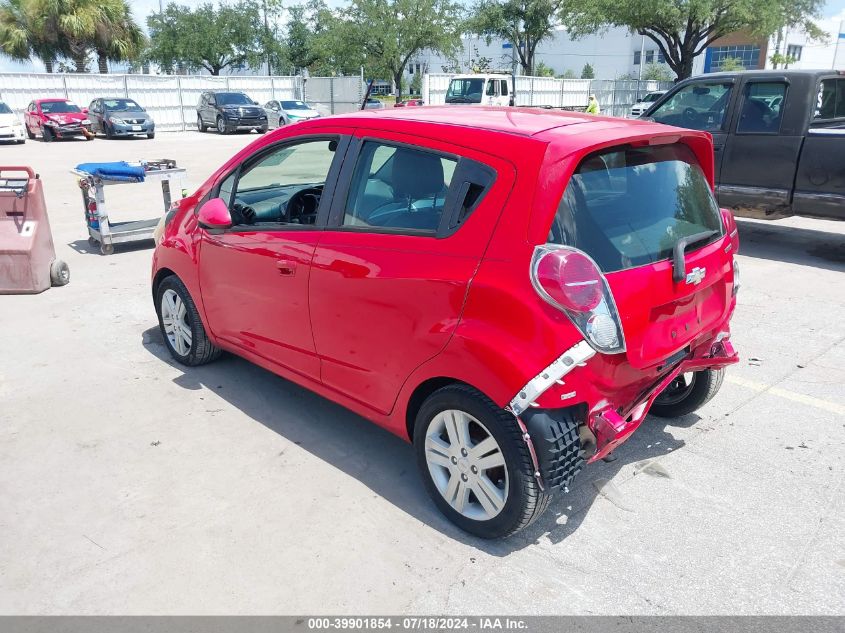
(302,206)
(690,116)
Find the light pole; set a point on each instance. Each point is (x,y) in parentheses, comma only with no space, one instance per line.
(266,39)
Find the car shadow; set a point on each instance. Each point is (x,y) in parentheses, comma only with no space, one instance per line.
(386,464)
(789,244)
(83,247)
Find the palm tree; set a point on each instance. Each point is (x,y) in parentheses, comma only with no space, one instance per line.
(24,33)
(119,40)
(86,26)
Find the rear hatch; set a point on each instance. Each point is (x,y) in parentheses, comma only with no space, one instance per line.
(628,208)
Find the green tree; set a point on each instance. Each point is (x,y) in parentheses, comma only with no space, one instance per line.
(524,23)
(119,39)
(388,33)
(24,34)
(587,72)
(569,74)
(682,29)
(731,64)
(207,38)
(657,72)
(416,85)
(541,70)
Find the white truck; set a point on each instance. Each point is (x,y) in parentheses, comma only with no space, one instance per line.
(481,89)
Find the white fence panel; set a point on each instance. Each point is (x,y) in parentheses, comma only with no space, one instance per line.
(83,89)
(258,89)
(160,96)
(18,89)
(574,93)
(434,88)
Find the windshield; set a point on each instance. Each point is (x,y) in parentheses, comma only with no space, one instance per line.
(233,98)
(465,91)
(58,107)
(629,206)
(121,105)
(294,105)
(4,109)
(696,106)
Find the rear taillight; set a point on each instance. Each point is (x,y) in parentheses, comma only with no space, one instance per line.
(570,280)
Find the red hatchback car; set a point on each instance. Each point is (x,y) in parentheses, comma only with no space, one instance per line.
(512,290)
(56,118)
(407,103)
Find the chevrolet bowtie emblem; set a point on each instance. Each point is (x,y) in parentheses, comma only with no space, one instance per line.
(695,276)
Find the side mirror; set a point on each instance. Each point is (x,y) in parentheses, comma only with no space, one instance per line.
(84,110)
(214,215)
(255,103)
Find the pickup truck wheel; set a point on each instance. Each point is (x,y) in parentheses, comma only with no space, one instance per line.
(181,326)
(474,463)
(687,393)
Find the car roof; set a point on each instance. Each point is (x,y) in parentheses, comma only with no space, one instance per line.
(521,121)
(49,99)
(764,72)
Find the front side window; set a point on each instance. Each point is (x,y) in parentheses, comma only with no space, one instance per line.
(504,85)
(762,108)
(697,106)
(830,103)
(491,88)
(398,188)
(628,207)
(283,186)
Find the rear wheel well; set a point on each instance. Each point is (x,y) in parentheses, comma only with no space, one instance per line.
(423,391)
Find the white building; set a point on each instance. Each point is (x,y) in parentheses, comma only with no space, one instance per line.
(618,52)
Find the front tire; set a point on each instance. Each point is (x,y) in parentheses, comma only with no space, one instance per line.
(221,126)
(151,135)
(47,135)
(475,465)
(200,125)
(688,393)
(181,326)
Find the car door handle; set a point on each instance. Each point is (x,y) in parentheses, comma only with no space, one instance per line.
(287,268)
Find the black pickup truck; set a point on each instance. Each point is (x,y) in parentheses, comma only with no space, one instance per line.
(779,138)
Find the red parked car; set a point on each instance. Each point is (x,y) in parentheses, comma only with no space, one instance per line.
(56,118)
(408,103)
(509,289)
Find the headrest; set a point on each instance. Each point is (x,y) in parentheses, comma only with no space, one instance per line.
(417,174)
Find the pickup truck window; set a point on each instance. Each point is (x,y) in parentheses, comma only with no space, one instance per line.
(762,108)
(831,100)
(697,106)
(628,206)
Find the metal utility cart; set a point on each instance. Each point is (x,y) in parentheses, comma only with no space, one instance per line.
(101,230)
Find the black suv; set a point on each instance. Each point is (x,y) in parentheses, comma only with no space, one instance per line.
(229,112)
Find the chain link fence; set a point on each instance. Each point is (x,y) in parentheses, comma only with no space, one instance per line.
(615,97)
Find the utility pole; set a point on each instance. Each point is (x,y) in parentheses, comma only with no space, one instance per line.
(267,39)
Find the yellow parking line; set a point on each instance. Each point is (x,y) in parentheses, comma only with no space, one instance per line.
(833,407)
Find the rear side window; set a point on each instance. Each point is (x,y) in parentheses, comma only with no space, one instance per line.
(830,103)
(628,207)
(397,187)
(762,108)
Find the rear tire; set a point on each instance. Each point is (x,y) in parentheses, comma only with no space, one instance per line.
(181,326)
(450,427)
(688,394)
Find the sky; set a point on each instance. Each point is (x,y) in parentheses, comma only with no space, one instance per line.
(142,8)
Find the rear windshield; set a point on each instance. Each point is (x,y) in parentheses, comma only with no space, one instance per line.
(629,206)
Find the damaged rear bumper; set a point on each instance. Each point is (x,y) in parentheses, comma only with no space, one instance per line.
(560,439)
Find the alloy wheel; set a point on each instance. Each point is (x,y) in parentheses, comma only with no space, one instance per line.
(466,465)
(177,325)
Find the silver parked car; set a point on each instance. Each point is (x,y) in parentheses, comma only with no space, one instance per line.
(120,117)
(373,104)
(281,113)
